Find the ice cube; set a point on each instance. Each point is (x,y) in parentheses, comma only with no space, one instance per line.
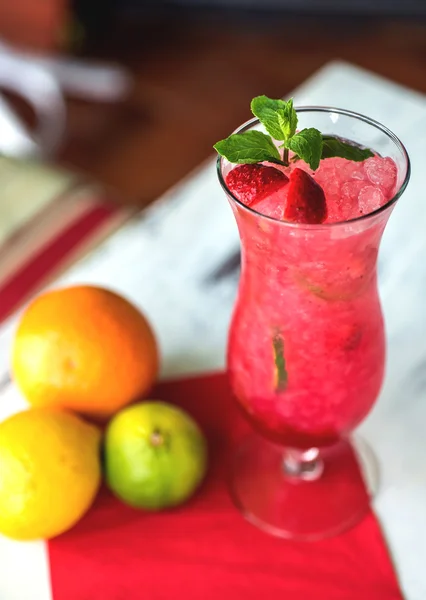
(343,170)
(350,193)
(370,198)
(358,174)
(273,205)
(328,178)
(348,170)
(382,172)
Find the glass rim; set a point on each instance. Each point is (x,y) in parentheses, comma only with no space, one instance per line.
(340,111)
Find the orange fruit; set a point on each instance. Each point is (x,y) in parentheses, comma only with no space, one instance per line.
(84,348)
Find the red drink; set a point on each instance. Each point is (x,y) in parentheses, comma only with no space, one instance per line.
(312,291)
(306,347)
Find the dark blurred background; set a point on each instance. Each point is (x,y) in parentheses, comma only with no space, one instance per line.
(197,63)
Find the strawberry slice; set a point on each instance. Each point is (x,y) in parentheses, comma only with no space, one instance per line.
(305,200)
(252,183)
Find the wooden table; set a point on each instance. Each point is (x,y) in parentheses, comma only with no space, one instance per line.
(194,79)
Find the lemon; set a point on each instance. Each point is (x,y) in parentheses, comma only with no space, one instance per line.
(155,455)
(49,472)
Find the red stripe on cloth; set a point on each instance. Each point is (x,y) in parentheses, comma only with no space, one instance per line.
(41,264)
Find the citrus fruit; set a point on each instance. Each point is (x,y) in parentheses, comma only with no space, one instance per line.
(155,455)
(84,348)
(49,472)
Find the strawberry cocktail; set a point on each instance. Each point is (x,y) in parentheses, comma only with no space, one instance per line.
(311,191)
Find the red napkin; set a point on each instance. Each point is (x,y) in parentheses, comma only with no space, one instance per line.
(205,550)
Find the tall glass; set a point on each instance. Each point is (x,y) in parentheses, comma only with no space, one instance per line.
(306,351)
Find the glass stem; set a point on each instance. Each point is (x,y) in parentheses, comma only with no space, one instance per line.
(303,464)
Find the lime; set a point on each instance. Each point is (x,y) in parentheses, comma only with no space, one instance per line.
(155,455)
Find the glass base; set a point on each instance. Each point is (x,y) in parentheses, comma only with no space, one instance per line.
(303,495)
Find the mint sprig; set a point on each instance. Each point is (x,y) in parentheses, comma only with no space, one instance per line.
(280,120)
(249,147)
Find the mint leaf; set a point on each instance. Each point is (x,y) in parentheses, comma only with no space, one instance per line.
(266,110)
(290,115)
(249,147)
(277,116)
(281,376)
(307,144)
(334,147)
